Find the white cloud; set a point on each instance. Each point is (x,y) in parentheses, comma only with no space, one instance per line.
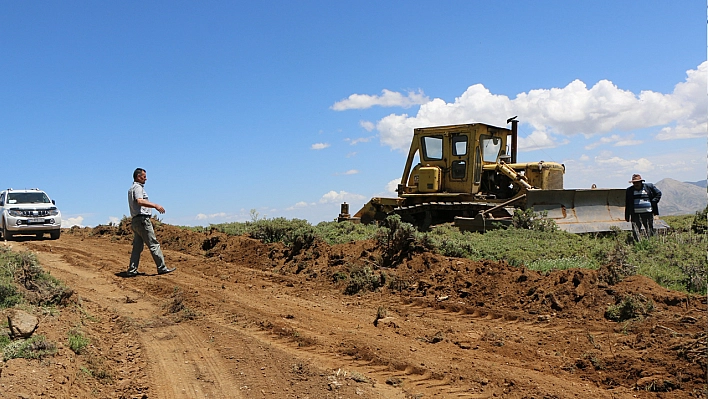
(299,205)
(70,222)
(573,109)
(202,216)
(367,125)
(691,95)
(618,141)
(342,196)
(539,140)
(388,98)
(351,154)
(392,186)
(626,165)
(359,140)
(113,220)
(319,146)
(351,172)
(628,142)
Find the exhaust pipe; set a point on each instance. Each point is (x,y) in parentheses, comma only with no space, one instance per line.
(514,137)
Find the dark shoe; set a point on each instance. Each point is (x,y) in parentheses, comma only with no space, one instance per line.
(165,271)
(133,274)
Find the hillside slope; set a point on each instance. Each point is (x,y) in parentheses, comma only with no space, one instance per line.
(701,183)
(681,198)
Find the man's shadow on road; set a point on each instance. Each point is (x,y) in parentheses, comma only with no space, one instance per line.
(125,274)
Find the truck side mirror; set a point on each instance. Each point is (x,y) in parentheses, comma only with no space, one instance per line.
(54,202)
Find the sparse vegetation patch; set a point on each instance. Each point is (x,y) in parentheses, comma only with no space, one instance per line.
(35,347)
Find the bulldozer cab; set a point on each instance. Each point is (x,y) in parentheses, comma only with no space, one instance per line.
(452,159)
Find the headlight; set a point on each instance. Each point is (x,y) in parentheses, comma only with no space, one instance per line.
(53,212)
(14,213)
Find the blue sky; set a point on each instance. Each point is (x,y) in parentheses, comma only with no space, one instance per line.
(290,108)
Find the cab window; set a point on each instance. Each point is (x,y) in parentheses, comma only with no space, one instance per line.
(458,170)
(459,145)
(477,166)
(490,148)
(432,148)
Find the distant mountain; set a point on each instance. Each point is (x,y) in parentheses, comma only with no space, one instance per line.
(700,183)
(679,198)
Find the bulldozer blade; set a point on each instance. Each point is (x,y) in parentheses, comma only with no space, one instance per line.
(583,211)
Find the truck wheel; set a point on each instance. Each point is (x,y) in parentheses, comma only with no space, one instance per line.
(54,235)
(6,235)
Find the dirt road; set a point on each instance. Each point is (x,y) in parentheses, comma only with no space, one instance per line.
(241,319)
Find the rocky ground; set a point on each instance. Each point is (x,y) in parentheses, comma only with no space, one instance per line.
(242,319)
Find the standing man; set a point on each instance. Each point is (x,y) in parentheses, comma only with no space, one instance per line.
(642,203)
(143,233)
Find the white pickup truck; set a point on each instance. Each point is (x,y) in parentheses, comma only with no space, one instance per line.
(28,211)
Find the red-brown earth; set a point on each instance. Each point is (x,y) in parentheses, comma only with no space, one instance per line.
(243,319)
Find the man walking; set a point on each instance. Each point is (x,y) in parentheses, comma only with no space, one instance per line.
(143,233)
(641,204)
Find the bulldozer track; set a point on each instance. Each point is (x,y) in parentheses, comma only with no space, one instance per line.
(430,213)
(442,206)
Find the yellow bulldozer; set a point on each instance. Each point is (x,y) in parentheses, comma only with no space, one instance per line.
(468,174)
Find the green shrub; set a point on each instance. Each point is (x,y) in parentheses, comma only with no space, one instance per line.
(448,240)
(36,347)
(527,219)
(339,276)
(344,232)
(574,262)
(4,340)
(398,240)
(77,342)
(296,233)
(363,278)
(616,268)
(23,269)
(629,308)
(9,296)
(700,222)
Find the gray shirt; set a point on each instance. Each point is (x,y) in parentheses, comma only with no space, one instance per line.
(137,191)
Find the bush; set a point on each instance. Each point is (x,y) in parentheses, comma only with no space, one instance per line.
(700,222)
(23,279)
(617,268)
(448,240)
(77,342)
(9,296)
(297,234)
(344,232)
(399,240)
(36,347)
(629,308)
(529,220)
(573,262)
(363,278)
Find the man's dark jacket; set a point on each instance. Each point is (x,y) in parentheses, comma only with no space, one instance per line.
(654,197)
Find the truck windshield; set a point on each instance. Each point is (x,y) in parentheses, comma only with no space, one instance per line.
(27,198)
(490,148)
